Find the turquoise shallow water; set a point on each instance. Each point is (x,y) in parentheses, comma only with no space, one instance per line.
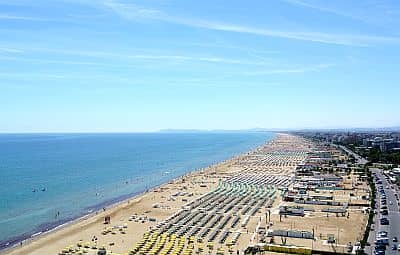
(43,174)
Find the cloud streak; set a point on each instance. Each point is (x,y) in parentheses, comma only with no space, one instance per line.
(10,50)
(305,69)
(135,12)
(4,16)
(124,56)
(324,9)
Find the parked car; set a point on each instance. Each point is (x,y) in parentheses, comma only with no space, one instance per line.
(384,221)
(380,246)
(382,234)
(394,239)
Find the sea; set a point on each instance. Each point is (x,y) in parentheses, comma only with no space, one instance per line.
(49,179)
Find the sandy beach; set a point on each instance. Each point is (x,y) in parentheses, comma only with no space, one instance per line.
(221,207)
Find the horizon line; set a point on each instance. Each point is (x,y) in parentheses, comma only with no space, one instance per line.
(383,128)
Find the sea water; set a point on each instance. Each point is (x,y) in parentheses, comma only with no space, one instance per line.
(49,179)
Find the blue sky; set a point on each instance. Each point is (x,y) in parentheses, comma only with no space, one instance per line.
(118,66)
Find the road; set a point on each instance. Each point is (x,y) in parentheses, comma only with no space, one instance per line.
(360,160)
(393,228)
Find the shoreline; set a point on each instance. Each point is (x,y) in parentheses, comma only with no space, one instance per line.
(112,206)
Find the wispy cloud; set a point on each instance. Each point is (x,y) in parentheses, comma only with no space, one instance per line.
(126,56)
(325,9)
(21,75)
(4,16)
(304,69)
(10,50)
(370,12)
(49,61)
(135,12)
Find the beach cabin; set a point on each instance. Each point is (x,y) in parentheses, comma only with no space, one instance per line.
(107,219)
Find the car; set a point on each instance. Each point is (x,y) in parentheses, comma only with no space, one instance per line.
(390,202)
(398,247)
(380,246)
(394,247)
(384,221)
(394,239)
(379,252)
(384,212)
(382,234)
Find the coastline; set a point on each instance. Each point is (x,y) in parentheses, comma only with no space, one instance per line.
(113,207)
